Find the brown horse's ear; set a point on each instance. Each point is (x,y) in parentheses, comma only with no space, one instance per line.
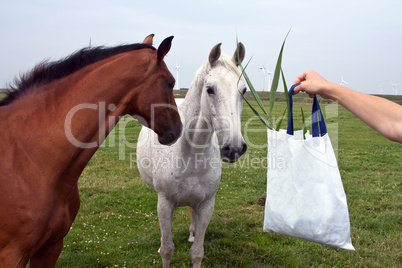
(242,53)
(164,48)
(215,54)
(149,39)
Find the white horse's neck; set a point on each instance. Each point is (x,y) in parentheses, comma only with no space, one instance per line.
(198,128)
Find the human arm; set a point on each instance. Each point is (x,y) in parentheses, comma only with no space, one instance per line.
(381,114)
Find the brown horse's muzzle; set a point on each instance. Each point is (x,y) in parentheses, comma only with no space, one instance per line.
(170,136)
(167,124)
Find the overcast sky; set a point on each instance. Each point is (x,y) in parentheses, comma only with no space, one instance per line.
(359,40)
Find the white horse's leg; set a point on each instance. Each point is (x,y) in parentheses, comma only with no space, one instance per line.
(191,237)
(165,215)
(201,218)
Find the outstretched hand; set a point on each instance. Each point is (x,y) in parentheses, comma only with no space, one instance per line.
(381,114)
(312,83)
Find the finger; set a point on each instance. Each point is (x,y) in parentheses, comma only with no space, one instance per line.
(297,81)
(298,89)
(300,78)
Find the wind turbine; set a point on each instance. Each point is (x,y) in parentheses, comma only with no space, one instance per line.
(394,89)
(381,88)
(343,83)
(269,80)
(177,75)
(263,76)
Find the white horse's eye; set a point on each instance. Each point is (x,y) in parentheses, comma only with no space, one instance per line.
(210,90)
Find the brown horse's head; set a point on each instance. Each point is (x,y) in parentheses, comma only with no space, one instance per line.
(155,106)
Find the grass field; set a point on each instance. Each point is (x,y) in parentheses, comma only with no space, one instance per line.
(117,225)
(297,98)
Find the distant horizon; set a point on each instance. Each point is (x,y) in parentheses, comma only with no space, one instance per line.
(247,92)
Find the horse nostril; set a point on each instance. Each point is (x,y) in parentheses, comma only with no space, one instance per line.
(226,149)
(174,135)
(244,148)
(232,154)
(171,136)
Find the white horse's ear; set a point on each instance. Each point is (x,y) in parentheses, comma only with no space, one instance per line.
(215,54)
(242,54)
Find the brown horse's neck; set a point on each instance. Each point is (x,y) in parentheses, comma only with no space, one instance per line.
(68,119)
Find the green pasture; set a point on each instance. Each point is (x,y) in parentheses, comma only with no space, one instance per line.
(117,225)
(297,98)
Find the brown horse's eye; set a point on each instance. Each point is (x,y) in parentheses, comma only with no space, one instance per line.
(171,85)
(210,90)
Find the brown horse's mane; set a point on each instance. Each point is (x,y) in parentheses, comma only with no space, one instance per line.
(46,72)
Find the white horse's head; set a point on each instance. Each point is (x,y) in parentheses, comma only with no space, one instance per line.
(222,102)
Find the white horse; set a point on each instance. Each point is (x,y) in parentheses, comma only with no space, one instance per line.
(188,172)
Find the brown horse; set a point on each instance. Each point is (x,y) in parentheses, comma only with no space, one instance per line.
(52,123)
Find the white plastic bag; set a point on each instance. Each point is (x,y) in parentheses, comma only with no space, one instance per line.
(305,196)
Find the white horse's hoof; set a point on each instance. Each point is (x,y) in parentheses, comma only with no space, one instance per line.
(159,251)
(191,239)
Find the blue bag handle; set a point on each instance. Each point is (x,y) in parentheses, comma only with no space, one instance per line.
(317,120)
